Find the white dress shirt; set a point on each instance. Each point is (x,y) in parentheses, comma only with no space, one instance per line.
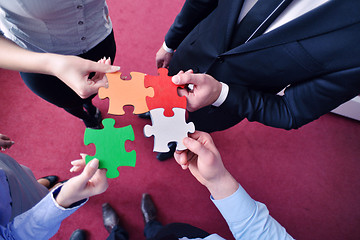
(295,9)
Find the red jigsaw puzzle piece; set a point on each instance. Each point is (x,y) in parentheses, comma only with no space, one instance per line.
(165,93)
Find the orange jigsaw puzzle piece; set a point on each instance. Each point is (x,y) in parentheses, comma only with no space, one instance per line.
(126,92)
(165,93)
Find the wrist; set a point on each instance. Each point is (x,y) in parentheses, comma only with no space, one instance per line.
(50,62)
(222,95)
(167,49)
(223,187)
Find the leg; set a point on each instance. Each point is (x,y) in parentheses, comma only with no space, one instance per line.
(152,228)
(118,233)
(180,230)
(112,224)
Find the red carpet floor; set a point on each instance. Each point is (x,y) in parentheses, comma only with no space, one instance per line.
(308,178)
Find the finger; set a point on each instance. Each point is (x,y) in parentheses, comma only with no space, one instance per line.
(181,159)
(195,146)
(184,79)
(197,135)
(83,155)
(98,84)
(190,71)
(79,162)
(76,168)
(89,170)
(103,68)
(183,92)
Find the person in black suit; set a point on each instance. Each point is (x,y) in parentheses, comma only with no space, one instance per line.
(310,49)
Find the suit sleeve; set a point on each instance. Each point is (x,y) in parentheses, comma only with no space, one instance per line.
(301,103)
(190,15)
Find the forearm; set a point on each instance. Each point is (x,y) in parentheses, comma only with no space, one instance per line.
(16,58)
(40,222)
(269,109)
(302,102)
(223,187)
(248,219)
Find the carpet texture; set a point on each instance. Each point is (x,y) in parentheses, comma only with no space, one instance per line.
(308,178)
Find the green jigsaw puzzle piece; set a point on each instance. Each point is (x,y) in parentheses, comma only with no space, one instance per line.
(110,146)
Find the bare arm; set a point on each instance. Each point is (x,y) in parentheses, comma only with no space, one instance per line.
(73,71)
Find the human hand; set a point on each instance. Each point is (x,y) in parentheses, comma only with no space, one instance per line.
(5,142)
(206,89)
(78,164)
(74,72)
(204,162)
(163,58)
(92,181)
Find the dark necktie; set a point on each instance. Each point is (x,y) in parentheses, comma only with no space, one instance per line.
(257,20)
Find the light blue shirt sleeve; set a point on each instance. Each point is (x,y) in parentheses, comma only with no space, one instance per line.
(249,219)
(40,222)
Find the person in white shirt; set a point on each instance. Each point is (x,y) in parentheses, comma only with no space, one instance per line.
(240,55)
(81,28)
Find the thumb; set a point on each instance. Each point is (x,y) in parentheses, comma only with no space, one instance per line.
(89,170)
(183,79)
(102,68)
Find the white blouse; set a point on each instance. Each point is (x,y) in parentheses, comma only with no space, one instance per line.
(69,27)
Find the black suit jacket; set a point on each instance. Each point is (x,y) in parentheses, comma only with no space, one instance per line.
(316,56)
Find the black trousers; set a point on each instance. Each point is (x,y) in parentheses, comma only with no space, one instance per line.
(53,90)
(154,230)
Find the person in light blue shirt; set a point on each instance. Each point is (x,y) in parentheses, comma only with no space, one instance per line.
(246,218)
(29,211)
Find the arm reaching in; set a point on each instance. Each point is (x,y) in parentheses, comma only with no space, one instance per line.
(205,164)
(206,89)
(73,71)
(44,219)
(92,181)
(163,58)
(247,218)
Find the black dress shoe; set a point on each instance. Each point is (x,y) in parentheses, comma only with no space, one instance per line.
(148,208)
(169,154)
(78,234)
(52,180)
(144,115)
(110,218)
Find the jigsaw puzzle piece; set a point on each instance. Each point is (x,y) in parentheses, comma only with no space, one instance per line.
(165,93)
(168,129)
(110,146)
(126,92)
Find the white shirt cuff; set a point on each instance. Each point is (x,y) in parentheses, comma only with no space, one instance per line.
(167,49)
(223,95)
